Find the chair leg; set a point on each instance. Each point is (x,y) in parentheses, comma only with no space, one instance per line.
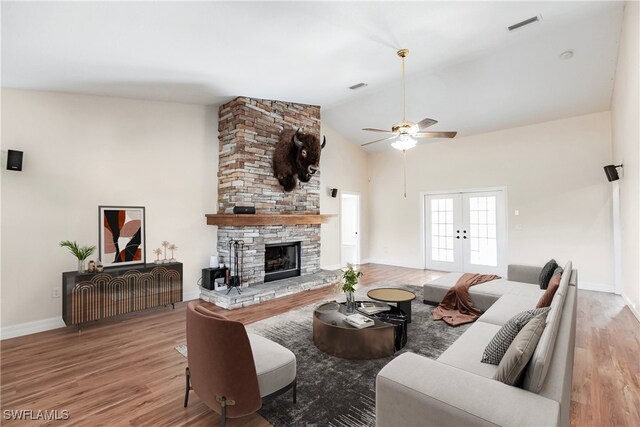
(295,391)
(223,416)
(186,392)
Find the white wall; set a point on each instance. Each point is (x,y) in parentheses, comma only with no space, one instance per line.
(625,117)
(344,166)
(553,174)
(85,151)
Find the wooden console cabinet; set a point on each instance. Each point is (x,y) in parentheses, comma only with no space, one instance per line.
(119,290)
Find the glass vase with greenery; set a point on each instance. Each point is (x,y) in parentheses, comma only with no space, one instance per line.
(350,278)
(82,253)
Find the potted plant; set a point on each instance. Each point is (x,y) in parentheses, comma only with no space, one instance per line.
(350,279)
(81,253)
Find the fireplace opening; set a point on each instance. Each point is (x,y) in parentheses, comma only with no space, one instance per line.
(281,261)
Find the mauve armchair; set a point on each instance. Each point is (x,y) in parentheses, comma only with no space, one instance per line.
(232,372)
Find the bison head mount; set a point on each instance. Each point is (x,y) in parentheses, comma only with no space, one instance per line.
(296,157)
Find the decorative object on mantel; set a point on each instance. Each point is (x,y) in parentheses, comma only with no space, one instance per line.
(296,157)
(350,279)
(81,253)
(236,262)
(172,247)
(122,226)
(99,267)
(91,267)
(158,252)
(243,210)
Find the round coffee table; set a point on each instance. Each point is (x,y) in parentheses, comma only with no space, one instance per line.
(334,336)
(399,296)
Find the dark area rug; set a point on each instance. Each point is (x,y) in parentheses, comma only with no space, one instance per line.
(339,392)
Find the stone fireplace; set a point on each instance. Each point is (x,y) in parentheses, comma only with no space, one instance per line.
(248,132)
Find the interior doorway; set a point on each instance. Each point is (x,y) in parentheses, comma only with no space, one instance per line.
(466,231)
(349,228)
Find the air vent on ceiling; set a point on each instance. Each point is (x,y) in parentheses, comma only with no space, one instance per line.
(357,86)
(525,22)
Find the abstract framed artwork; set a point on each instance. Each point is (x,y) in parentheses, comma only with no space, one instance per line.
(121,237)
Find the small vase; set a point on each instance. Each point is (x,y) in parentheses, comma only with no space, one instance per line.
(80,266)
(351,302)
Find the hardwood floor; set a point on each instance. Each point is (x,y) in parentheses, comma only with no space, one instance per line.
(125,371)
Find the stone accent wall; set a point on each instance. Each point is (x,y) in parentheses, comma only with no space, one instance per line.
(248,132)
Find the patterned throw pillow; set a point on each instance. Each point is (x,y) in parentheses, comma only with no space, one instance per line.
(547,273)
(504,337)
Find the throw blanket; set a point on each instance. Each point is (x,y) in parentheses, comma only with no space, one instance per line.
(456,308)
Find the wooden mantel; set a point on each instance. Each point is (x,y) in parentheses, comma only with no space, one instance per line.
(266,219)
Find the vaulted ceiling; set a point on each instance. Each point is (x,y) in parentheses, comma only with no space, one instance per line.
(464,68)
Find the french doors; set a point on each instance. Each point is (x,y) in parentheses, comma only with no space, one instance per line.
(466,232)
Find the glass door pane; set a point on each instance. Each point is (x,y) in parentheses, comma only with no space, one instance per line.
(443,218)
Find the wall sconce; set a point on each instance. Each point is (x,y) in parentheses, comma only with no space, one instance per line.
(612,172)
(333,192)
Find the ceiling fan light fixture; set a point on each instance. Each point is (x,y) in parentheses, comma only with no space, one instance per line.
(404,142)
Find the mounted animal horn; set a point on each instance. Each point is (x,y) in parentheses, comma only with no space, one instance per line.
(296,140)
(324,142)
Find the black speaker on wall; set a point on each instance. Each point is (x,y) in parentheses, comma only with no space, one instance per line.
(334,192)
(612,172)
(14,160)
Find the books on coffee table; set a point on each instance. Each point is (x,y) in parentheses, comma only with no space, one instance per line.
(359,321)
(372,307)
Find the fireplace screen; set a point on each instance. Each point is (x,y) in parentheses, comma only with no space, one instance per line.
(281,261)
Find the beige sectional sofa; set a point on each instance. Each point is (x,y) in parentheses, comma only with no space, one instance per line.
(457,389)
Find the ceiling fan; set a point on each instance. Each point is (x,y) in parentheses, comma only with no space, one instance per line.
(405,132)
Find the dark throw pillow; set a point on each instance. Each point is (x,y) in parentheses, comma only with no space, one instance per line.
(547,273)
(499,344)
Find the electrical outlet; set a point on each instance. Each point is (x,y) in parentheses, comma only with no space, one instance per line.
(55,292)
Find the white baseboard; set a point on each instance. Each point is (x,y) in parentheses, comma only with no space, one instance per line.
(392,263)
(191,295)
(597,287)
(28,328)
(631,306)
(332,267)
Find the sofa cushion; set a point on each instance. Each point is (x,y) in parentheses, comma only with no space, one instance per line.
(465,353)
(520,351)
(499,344)
(539,364)
(546,273)
(275,364)
(506,307)
(547,297)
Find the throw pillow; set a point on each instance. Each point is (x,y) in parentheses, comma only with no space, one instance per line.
(515,360)
(547,297)
(499,344)
(547,273)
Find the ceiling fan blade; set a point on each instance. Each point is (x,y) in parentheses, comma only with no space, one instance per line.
(380,140)
(435,134)
(425,123)
(377,130)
